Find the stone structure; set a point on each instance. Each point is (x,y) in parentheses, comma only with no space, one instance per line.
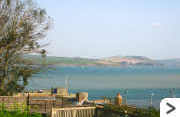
(82,97)
(60,91)
(118,100)
(12,103)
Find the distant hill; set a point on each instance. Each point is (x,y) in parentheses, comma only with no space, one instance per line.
(110,61)
(127,60)
(61,61)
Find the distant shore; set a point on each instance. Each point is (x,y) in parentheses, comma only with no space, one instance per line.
(111,61)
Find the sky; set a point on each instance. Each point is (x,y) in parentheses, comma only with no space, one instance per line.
(104,28)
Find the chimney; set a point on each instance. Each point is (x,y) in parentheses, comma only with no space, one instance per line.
(118,100)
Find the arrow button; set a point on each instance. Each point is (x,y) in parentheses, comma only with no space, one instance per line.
(170,107)
(173,108)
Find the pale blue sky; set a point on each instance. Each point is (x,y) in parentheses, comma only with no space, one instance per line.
(103,28)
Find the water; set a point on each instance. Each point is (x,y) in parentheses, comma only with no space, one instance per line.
(141,81)
(138,97)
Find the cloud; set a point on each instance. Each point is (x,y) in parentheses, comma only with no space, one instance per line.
(156,24)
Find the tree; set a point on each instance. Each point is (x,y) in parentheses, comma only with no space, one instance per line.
(22,25)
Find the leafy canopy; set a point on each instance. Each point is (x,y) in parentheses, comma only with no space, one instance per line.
(22,25)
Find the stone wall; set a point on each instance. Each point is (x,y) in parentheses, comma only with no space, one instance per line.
(13,103)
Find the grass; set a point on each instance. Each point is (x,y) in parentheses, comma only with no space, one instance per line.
(17,111)
(18,114)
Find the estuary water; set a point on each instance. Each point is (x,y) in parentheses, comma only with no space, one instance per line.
(138,83)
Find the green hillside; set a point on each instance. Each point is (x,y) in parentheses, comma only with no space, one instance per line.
(51,60)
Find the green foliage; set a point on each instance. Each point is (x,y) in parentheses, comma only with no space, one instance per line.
(50,60)
(18,114)
(150,112)
(125,111)
(17,111)
(22,25)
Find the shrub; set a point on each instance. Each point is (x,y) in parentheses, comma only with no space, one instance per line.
(125,111)
(18,114)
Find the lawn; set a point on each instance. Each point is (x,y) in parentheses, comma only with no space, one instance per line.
(18,114)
